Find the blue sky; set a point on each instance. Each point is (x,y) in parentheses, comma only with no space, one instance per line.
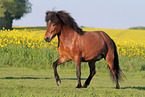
(113,14)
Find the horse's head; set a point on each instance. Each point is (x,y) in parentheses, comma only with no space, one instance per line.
(53,23)
(56,20)
(52,30)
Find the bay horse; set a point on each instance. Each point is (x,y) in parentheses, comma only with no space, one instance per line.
(79,46)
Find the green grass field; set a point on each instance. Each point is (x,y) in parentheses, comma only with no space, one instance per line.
(26,66)
(16,81)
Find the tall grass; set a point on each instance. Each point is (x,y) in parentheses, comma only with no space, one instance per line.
(27,48)
(43,58)
(38,58)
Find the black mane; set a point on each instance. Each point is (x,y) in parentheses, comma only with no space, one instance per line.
(64,18)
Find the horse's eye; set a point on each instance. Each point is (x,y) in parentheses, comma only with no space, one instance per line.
(53,24)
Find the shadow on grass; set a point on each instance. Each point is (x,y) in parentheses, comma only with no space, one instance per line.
(24,78)
(134,87)
(40,78)
(72,78)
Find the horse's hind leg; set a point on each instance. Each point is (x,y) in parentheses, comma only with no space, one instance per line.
(60,60)
(92,73)
(112,61)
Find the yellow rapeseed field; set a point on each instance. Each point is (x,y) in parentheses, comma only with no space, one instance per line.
(130,43)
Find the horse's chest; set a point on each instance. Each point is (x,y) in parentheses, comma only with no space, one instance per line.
(66,51)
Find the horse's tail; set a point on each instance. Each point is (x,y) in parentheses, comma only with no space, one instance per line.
(115,62)
(119,72)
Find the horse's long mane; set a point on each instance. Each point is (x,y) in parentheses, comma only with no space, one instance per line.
(63,18)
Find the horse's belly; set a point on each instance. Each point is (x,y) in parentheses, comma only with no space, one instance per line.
(96,58)
(93,52)
(88,57)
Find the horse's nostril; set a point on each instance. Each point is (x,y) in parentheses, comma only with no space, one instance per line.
(47,39)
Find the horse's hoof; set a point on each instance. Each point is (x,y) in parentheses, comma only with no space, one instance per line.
(79,86)
(117,87)
(84,86)
(58,82)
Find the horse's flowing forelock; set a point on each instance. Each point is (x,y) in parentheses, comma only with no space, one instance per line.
(51,15)
(64,18)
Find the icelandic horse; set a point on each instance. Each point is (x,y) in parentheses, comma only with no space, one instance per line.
(80,46)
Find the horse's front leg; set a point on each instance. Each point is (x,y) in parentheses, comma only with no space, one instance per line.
(78,72)
(60,60)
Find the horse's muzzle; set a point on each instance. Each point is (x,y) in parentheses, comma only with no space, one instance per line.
(47,39)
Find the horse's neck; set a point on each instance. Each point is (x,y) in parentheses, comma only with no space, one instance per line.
(66,36)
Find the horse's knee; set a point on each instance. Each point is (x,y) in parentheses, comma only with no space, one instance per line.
(78,73)
(54,65)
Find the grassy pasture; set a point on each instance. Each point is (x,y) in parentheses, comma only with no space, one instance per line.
(26,66)
(24,82)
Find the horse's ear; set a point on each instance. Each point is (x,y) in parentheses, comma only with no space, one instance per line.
(50,12)
(46,17)
(47,12)
(49,15)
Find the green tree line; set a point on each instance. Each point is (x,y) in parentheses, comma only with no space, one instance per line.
(12,9)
